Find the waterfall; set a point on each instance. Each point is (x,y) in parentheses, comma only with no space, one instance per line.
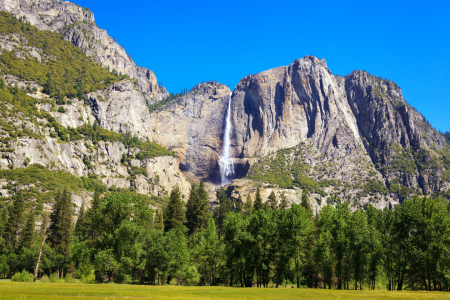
(225,162)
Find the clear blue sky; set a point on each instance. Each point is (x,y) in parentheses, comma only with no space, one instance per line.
(186,42)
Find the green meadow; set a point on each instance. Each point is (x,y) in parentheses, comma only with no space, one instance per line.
(54,291)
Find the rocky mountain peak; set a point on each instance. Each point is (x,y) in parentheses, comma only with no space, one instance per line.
(78,26)
(51,15)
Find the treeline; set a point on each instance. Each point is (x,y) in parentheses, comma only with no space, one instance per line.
(157,105)
(172,96)
(238,243)
(447,136)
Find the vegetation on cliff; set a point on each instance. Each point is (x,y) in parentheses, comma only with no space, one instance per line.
(63,69)
(38,185)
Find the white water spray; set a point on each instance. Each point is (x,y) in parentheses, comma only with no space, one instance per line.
(225,162)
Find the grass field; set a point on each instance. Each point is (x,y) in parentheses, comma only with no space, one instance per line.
(22,291)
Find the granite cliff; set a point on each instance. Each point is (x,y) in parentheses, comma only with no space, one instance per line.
(350,138)
(296,128)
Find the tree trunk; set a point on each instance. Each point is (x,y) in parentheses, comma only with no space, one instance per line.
(296,270)
(39,259)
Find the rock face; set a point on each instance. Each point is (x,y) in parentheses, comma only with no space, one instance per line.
(282,107)
(301,104)
(357,130)
(359,124)
(82,157)
(349,137)
(78,26)
(121,108)
(193,126)
(393,131)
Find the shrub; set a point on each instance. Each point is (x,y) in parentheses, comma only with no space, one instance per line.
(191,276)
(54,277)
(45,278)
(90,278)
(23,276)
(69,279)
(125,279)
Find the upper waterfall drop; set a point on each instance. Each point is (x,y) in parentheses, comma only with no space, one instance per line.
(225,162)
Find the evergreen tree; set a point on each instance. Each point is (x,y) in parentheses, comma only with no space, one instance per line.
(15,220)
(306,203)
(248,206)
(191,204)
(66,76)
(80,87)
(175,210)
(284,203)
(197,209)
(159,220)
(28,233)
(258,205)
(224,207)
(91,221)
(203,213)
(272,202)
(239,205)
(48,87)
(2,84)
(81,227)
(3,227)
(61,224)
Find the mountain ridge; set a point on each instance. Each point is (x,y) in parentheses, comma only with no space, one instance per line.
(351,138)
(77,25)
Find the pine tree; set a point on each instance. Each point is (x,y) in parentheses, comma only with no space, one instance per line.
(203,214)
(175,210)
(239,205)
(80,86)
(91,219)
(224,207)
(3,227)
(197,209)
(66,76)
(258,205)
(159,220)
(15,220)
(61,223)
(306,203)
(272,202)
(248,207)
(48,88)
(284,203)
(28,233)
(96,200)
(190,209)
(81,227)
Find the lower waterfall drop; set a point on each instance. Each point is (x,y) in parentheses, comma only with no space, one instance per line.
(225,162)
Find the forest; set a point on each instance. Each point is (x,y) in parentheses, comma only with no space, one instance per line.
(244,243)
